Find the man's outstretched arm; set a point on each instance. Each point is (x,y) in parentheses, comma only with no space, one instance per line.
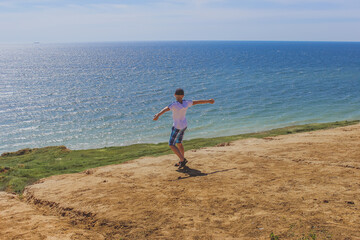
(165,109)
(211,101)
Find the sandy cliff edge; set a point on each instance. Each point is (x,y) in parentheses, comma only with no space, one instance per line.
(293,186)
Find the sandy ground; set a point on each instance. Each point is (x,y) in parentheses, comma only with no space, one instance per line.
(295,186)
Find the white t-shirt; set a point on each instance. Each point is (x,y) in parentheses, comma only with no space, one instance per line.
(179,113)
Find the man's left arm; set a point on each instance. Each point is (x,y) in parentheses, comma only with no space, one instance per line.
(211,101)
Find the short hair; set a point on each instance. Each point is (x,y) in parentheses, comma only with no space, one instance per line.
(179,91)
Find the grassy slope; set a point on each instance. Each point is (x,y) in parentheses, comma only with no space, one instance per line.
(17,170)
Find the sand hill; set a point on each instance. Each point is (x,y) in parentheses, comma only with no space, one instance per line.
(301,186)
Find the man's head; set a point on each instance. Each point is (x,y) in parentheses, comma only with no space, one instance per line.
(179,92)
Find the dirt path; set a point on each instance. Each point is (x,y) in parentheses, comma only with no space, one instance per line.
(19,220)
(302,185)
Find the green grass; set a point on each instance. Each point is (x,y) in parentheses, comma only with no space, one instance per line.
(274,237)
(22,168)
(310,236)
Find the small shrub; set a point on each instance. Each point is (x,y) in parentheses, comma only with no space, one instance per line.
(274,237)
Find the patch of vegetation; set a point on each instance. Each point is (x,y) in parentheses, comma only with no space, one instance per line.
(24,167)
(304,231)
(310,236)
(274,237)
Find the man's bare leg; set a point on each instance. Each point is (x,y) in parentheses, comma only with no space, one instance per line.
(181,148)
(177,152)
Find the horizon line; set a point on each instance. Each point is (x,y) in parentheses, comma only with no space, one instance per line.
(149,41)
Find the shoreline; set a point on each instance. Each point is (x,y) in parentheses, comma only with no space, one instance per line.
(26,166)
(301,128)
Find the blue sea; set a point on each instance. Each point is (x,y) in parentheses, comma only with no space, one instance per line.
(93,95)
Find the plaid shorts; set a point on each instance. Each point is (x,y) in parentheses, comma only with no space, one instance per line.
(176,136)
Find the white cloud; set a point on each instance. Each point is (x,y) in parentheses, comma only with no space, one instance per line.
(349,4)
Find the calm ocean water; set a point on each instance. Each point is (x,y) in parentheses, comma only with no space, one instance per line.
(105,94)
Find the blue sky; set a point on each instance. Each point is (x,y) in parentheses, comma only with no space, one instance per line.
(24,21)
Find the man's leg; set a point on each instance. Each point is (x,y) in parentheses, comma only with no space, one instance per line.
(176,136)
(181,148)
(177,152)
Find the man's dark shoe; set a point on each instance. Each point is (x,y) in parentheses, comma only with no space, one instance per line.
(178,163)
(183,163)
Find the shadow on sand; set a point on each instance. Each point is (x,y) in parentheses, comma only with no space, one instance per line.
(190,172)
